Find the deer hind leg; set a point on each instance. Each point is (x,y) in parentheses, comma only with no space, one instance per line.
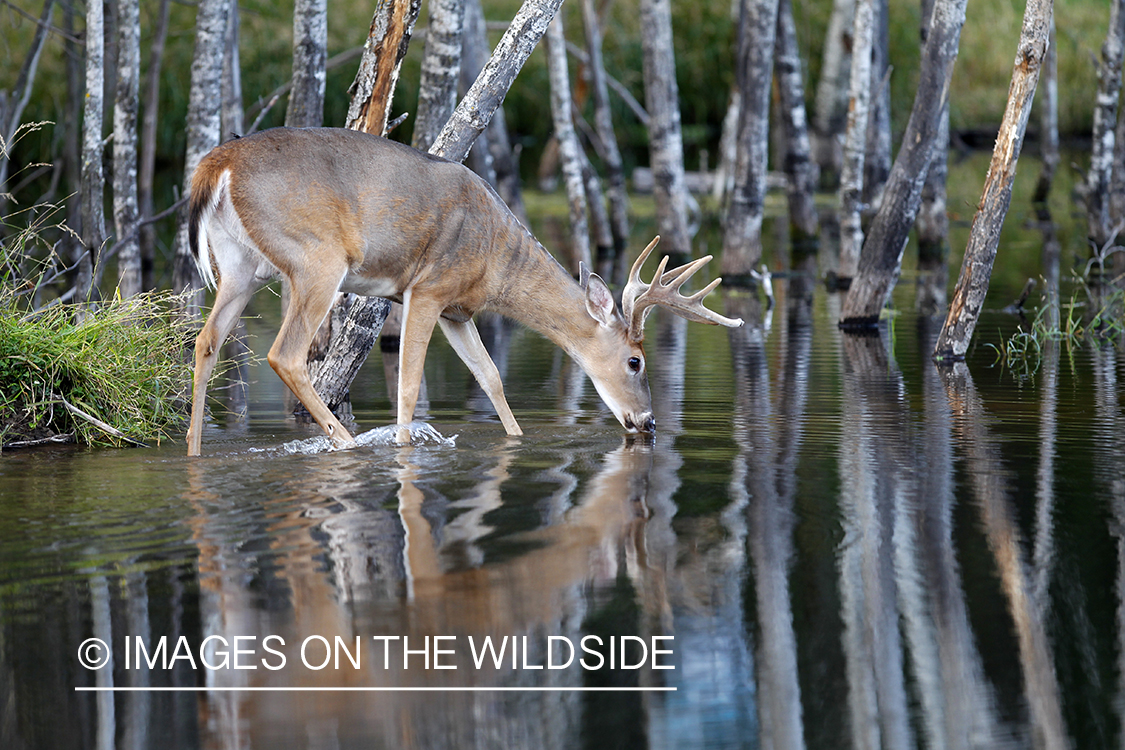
(419,315)
(237,285)
(465,340)
(311,296)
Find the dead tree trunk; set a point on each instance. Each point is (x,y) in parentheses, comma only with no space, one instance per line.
(803,223)
(147,168)
(310,58)
(1105,123)
(742,235)
(232,114)
(1048,103)
(932,224)
(203,129)
(881,258)
(832,92)
(855,144)
(877,162)
(491,156)
(666,144)
(441,70)
(569,148)
(125,214)
(93,178)
(976,269)
(603,123)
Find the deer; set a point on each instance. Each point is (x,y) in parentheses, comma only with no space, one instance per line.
(333,210)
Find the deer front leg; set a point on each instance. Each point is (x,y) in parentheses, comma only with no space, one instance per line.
(465,340)
(419,314)
(311,296)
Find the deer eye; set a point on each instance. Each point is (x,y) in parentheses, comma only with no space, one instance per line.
(635,364)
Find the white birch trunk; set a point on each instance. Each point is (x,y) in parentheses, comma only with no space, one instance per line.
(1105,123)
(310,57)
(570,150)
(832,91)
(233,114)
(799,167)
(855,143)
(666,146)
(93,177)
(1048,102)
(204,125)
(742,235)
(441,70)
(125,214)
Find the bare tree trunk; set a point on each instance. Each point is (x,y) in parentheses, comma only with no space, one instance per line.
(877,163)
(603,123)
(125,214)
(93,177)
(742,235)
(375,81)
(803,222)
(570,151)
(147,168)
(1117,182)
(72,136)
(855,144)
(984,238)
(832,92)
(666,145)
(232,114)
(310,57)
(881,258)
(491,156)
(203,131)
(932,224)
(1105,123)
(441,70)
(1048,102)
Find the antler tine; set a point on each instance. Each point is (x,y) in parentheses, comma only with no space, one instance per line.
(665,290)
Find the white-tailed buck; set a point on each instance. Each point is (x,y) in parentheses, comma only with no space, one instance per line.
(337,210)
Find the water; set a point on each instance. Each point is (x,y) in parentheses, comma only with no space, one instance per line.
(831,543)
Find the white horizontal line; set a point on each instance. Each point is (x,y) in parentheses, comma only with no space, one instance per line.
(371,689)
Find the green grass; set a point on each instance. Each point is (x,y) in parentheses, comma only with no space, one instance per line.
(123,364)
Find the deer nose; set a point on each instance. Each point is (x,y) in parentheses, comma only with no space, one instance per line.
(643,423)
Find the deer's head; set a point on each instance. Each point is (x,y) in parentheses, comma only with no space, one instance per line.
(615,361)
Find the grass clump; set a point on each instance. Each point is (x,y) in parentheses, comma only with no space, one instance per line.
(112,376)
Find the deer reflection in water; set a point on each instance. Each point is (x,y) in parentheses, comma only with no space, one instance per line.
(359,568)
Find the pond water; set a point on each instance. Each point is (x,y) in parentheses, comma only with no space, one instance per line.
(831,542)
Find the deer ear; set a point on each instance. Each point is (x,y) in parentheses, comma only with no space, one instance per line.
(583,274)
(599,300)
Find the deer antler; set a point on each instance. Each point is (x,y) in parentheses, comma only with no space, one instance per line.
(638,297)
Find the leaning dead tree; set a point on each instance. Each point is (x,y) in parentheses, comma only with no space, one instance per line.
(742,235)
(204,123)
(881,259)
(1099,177)
(932,223)
(984,237)
(666,144)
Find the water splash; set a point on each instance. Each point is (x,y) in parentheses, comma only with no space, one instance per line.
(421,433)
